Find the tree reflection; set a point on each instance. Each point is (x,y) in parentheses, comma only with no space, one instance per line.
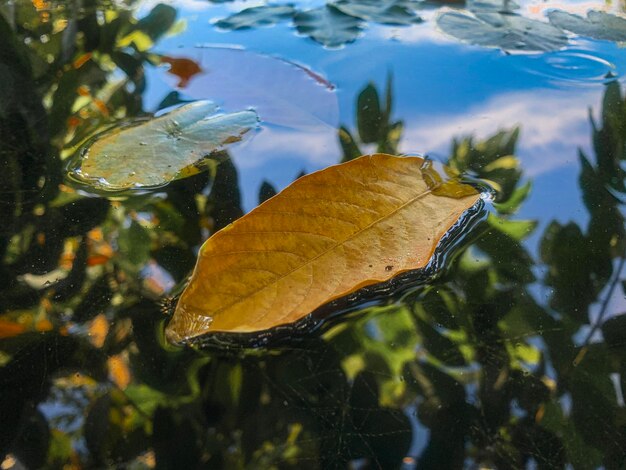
(475,369)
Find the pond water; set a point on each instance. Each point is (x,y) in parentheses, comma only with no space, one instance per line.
(512,356)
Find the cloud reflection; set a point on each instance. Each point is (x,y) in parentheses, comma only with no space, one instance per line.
(554,125)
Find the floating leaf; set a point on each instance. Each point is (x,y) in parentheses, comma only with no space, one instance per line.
(504,30)
(265,15)
(501,6)
(597,25)
(183,68)
(328,25)
(281,92)
(394,12)
(327,235)
(149,154)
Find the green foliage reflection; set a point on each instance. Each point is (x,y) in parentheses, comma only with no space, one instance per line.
(499,375)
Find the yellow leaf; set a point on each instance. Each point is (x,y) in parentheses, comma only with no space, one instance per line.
(119,373)
(327,235)
(142,41)
(98,330)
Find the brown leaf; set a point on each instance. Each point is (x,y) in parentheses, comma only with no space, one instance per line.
(327,235)
(183,68)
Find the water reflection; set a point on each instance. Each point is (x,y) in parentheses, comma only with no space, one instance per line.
(497,364)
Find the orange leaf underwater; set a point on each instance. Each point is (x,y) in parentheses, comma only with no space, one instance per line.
(183,68)
(325,236)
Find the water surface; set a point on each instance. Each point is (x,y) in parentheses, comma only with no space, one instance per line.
(513,357)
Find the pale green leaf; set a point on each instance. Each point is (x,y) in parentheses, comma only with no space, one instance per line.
(265,15)
(516,229)
(149,154)
(328,26)
(392,12)
(597,25)
(504,30)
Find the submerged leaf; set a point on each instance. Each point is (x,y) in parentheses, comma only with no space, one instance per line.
(394,12)
(183,68)
(265,15)
(504,30)
(149,154)
(328,25)
(597,25)
(327,235)
(282,93)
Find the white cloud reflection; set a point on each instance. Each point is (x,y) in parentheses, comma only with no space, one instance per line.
(554,125)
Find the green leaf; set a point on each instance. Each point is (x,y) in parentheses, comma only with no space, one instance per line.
(171,99)
(506,31)
(175,440)
(160,19)
(516,229)
(438,344)
(147,399)
(391,12)
(579,452)
(566,251)
(597,25)
(388,98)
(614,331)
(150,154)
(60,450)
(369,114)
(224,201)
(508,256)
(349,147)
(390,141)
(254,17)
(513,203)
(266,191)
(132,65)
(328,26)
(135,244)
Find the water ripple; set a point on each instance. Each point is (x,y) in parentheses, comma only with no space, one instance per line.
(579,67)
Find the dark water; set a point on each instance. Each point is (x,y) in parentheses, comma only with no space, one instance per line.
(514,357)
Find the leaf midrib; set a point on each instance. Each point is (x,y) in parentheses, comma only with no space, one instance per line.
(325,252)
